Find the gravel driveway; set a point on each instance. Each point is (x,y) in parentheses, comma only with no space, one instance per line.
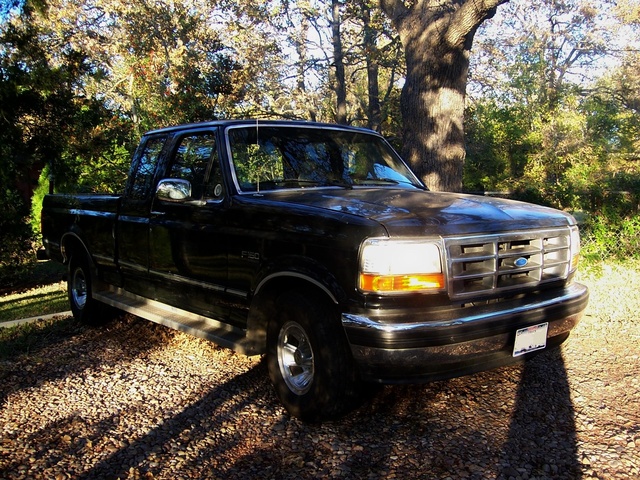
(136,400)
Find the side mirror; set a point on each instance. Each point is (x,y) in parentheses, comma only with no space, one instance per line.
(174,190)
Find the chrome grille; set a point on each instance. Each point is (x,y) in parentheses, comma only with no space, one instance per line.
(492,264)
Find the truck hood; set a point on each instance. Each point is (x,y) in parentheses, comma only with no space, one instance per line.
(405,212)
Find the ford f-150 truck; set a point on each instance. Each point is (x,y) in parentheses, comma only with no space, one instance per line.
(316,246)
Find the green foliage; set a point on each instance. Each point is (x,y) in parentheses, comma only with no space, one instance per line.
(610,237)
(577,161)
(498,145)
(16,238)
(36,201)
(102,170)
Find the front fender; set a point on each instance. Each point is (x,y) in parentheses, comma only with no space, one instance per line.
(297,269)
(288,272)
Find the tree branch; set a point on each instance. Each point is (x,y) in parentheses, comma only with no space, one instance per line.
(469,16)
(395,9)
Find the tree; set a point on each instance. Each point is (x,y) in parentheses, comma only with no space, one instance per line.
(535,70)
(346,63)
(36,106)
(374,114)
(155,62)
(437,38)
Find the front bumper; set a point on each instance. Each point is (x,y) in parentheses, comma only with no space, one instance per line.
(392,347)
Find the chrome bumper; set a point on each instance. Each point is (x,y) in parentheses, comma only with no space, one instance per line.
(391,347)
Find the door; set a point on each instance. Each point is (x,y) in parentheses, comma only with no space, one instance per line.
(133,222)
(188,258)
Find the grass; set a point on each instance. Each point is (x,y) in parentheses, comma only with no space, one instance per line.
(41,292)
(34,302)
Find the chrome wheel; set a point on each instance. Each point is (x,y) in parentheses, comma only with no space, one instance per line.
(295,358)
(309,357)
(79,288)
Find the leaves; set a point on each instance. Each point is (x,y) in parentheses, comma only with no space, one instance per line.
(543,119)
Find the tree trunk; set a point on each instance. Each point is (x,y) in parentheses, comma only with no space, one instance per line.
(338,60)
(374,114)
(437,38)
(432,105)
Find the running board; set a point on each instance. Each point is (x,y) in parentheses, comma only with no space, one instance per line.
(177,319)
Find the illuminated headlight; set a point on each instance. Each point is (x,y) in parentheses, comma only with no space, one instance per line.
(575,248)
(394,266)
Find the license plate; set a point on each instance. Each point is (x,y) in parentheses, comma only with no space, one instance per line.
(530,339)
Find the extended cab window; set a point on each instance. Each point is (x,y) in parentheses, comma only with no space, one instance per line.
(145,168)
(196,160)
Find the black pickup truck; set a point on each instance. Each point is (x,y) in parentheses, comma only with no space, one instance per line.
(316,245)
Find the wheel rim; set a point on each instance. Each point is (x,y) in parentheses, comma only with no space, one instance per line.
(79,288)
(295,358)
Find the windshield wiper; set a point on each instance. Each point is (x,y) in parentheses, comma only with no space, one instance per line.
(337,183)
(378,181)
(388,181)
(315,183)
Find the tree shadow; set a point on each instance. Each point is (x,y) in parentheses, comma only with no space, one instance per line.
(39,352)
(192,426)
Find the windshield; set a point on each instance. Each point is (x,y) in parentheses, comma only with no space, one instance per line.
(277,157)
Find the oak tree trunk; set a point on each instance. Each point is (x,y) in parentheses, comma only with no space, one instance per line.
(437,37)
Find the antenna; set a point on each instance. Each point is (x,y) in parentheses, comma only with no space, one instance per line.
(257,150)
(257,132)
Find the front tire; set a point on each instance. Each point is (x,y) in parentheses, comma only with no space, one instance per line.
(309,358)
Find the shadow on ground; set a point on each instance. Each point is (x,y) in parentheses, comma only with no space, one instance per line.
(511,422)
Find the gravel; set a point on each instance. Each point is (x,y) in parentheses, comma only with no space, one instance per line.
(137,400)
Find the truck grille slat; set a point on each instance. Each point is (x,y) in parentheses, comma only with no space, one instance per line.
(492,264)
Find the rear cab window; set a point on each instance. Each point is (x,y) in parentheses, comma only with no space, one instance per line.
(144,168)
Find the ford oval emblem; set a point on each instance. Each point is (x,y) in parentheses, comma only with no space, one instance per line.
(521,262)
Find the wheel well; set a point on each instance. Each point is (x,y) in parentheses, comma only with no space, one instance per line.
(263,305)
(73,245)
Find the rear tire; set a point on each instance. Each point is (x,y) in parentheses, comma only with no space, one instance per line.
(80,290)
(309,358)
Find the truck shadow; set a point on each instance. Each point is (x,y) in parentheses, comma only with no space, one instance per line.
(514,422)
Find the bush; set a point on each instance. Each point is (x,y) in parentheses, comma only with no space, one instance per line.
(611,238)
(16,238)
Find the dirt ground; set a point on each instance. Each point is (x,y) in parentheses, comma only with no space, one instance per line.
(136,400)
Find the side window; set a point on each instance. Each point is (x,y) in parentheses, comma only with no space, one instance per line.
(146,167)
(196,160)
